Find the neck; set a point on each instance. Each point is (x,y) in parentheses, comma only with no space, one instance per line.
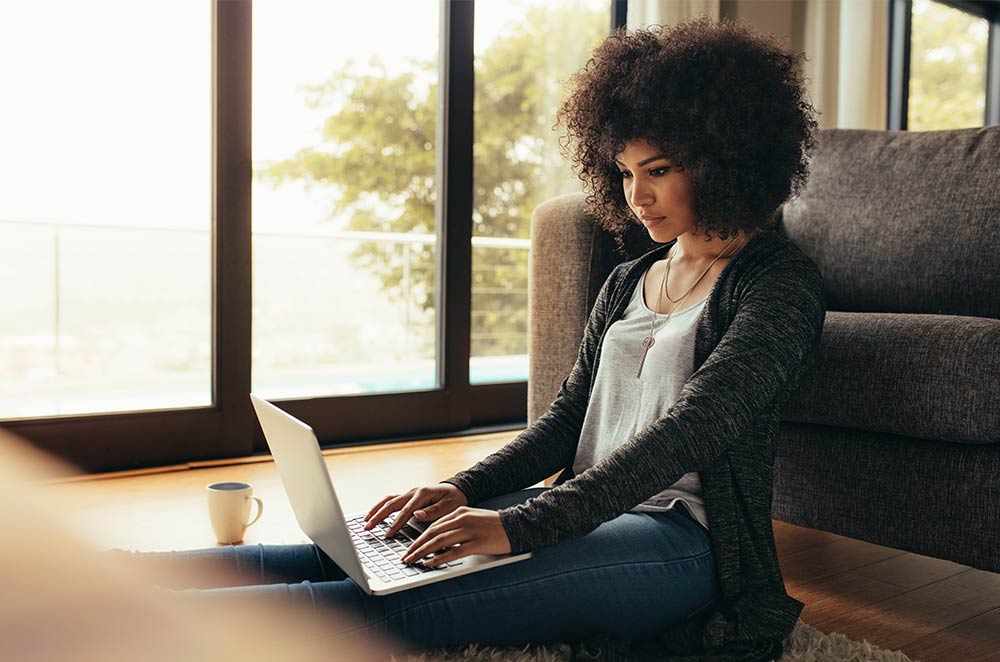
(695,249)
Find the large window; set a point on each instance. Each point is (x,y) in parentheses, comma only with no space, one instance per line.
(944,64)
(344,197)
(324,202)
(105,216)
(525,50)
(947,68)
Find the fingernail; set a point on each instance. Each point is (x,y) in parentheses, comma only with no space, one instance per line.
(420,513)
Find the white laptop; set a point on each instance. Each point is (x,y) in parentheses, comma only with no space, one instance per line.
(366,556)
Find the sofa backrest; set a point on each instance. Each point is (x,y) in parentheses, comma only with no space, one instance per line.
(904,222)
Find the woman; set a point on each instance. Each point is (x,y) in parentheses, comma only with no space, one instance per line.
(656,538)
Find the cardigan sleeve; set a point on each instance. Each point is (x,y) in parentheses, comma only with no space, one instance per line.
(778,322)
(549,444)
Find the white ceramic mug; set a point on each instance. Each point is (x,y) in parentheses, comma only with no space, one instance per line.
(229,510)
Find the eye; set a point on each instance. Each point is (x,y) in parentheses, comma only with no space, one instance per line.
(659,172)
(624,174)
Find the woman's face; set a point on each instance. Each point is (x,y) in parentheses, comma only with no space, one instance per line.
(657,190)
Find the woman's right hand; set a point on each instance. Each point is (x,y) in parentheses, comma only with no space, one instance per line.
(425,503)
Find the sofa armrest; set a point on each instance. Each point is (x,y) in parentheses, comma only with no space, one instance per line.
(559,274)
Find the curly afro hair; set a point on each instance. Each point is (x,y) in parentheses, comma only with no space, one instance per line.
(727,103)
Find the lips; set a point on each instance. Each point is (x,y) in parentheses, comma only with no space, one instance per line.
(652,220)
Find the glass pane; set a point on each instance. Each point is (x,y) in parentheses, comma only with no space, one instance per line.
(344,193)
(525,50)
(947,68)
(105,217)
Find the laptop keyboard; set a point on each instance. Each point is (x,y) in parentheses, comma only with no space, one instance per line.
(382,556)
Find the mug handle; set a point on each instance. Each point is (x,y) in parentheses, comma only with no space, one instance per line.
(260,510)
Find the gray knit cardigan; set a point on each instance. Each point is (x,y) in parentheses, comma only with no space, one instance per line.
(760,327)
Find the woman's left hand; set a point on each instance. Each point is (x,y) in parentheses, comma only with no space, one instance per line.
(474,530)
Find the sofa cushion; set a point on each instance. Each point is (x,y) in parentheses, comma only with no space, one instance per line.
(904,221)
(927,376)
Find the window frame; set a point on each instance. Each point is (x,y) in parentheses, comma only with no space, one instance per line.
(228,428)
(900,24)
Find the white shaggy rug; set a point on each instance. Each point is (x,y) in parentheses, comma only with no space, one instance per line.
(805,644)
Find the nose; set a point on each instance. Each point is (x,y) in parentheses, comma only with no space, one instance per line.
(640,193)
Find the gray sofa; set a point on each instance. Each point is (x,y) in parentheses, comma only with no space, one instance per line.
(894,434)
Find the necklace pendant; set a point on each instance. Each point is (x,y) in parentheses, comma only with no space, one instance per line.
(647,342)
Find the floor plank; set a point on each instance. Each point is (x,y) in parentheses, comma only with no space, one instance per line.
(975,640)
(834,558)
(789,538)
(838,595)
(900,620)
(911,571)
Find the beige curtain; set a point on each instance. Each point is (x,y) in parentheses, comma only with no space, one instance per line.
(667,12)
(845,42)
(846,46)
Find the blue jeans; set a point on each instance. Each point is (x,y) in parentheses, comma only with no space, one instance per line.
(632,577)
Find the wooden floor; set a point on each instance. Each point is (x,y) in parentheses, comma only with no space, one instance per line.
(932,610)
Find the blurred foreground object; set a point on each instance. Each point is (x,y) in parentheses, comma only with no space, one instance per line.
(63,599)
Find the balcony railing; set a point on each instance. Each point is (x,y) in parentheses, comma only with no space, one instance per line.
(103,317)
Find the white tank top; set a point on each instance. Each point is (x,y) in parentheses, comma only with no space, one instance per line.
(621,405)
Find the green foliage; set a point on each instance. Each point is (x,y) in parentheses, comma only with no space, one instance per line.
(377,153)
(947,68)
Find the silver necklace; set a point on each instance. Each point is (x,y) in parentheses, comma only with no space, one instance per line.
(649,340)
